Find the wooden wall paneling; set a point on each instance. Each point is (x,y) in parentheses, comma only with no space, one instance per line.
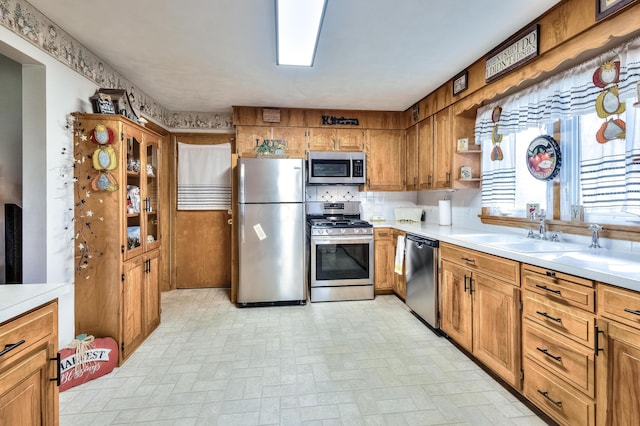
(200,240)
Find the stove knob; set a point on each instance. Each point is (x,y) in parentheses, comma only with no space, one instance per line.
(343,230)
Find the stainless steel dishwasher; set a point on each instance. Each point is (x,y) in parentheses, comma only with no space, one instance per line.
(422,278)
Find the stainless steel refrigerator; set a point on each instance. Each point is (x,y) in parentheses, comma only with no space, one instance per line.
(271,231)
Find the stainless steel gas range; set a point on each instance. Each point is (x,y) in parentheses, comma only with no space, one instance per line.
(340,260)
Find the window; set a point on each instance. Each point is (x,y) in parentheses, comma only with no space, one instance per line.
(597,127)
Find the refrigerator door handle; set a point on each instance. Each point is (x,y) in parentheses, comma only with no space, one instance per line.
(241,183)
(241,220)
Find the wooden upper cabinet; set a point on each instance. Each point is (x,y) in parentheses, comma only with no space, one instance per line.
(442,148)
(351,139)
(322,139)
(247,137)
(411,170)
(425,153)
(385,160)
(331,139)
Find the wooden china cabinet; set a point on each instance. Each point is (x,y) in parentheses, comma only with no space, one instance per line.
(117,230)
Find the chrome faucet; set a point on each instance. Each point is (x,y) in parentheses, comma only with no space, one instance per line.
(594,237)
(543,225)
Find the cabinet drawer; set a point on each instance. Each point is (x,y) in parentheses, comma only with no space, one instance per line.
(572,362)
(28,329)
(556,397)
(383,234)
(561,288)
(498,267)
(619,304)
(576,324)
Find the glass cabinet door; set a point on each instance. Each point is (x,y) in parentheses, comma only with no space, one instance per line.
(133,194)
(151,200)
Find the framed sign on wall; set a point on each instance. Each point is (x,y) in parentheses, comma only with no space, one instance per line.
(605,8)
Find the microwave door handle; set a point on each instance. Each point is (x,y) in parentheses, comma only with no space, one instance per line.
(351,167)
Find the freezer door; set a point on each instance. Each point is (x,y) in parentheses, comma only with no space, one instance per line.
(273,180)
(272,253)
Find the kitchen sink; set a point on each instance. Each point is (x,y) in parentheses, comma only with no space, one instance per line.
(538,246)
(490,238)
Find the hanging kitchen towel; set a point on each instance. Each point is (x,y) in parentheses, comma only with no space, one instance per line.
(399,255)
(204,177)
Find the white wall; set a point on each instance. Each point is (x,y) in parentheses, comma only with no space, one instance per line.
(10,143)
(51,91)
(465,206)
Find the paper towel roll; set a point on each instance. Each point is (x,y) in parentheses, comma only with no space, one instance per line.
(444,210)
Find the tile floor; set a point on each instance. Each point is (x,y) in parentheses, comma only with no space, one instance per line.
(341,363)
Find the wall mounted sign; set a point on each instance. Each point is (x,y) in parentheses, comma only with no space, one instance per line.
(543,158)
(271,115)
(460,82)
(330,120)
(605,8)
(513,53)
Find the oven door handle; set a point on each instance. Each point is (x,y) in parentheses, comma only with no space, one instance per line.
(331,239)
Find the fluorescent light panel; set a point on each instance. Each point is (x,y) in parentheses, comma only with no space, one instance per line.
(298,25)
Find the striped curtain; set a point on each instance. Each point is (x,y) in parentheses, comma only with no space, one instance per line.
(204,177)
(561,97)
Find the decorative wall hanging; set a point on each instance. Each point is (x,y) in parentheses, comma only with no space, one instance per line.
(605,8)
(460,82)
(104,181)
(513,53)
(101,135)
(543,158)
(606,77)
(330,120)
(496,138)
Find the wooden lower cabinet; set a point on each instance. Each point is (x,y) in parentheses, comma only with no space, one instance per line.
(383,260)
(558,344)
(481,312)
(140,301)
(618,359)
(28,396)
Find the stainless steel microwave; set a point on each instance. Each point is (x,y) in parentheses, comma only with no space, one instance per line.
(337,168)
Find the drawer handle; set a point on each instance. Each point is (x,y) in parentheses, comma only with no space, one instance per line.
(546,352)
(631,311)
(468,260)
(11,346)
(546,315)
(546,395)
(544,287)
(551,274)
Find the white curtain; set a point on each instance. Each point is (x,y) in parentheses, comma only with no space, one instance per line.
(560,97)
(204,177)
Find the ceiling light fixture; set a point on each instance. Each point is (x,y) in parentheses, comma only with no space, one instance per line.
(298,25)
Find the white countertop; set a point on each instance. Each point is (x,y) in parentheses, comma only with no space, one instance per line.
(16,299)
(618,268)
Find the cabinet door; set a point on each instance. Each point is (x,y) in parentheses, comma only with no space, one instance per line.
(411,170)
(383,265)
(151,201)
(296,140)
(442,149)
(351,139)
(132,192)
(132,305)
(247,137)
(23,391)
(455,304)
(322,139)
(152,292)
(425,153)
(496,326)
(618,369)
(385,160)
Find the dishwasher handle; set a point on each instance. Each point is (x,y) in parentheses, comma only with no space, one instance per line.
(422,241)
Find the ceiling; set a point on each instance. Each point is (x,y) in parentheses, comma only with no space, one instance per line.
(209,55)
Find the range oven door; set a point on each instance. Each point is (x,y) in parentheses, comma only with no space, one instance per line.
(341,261)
